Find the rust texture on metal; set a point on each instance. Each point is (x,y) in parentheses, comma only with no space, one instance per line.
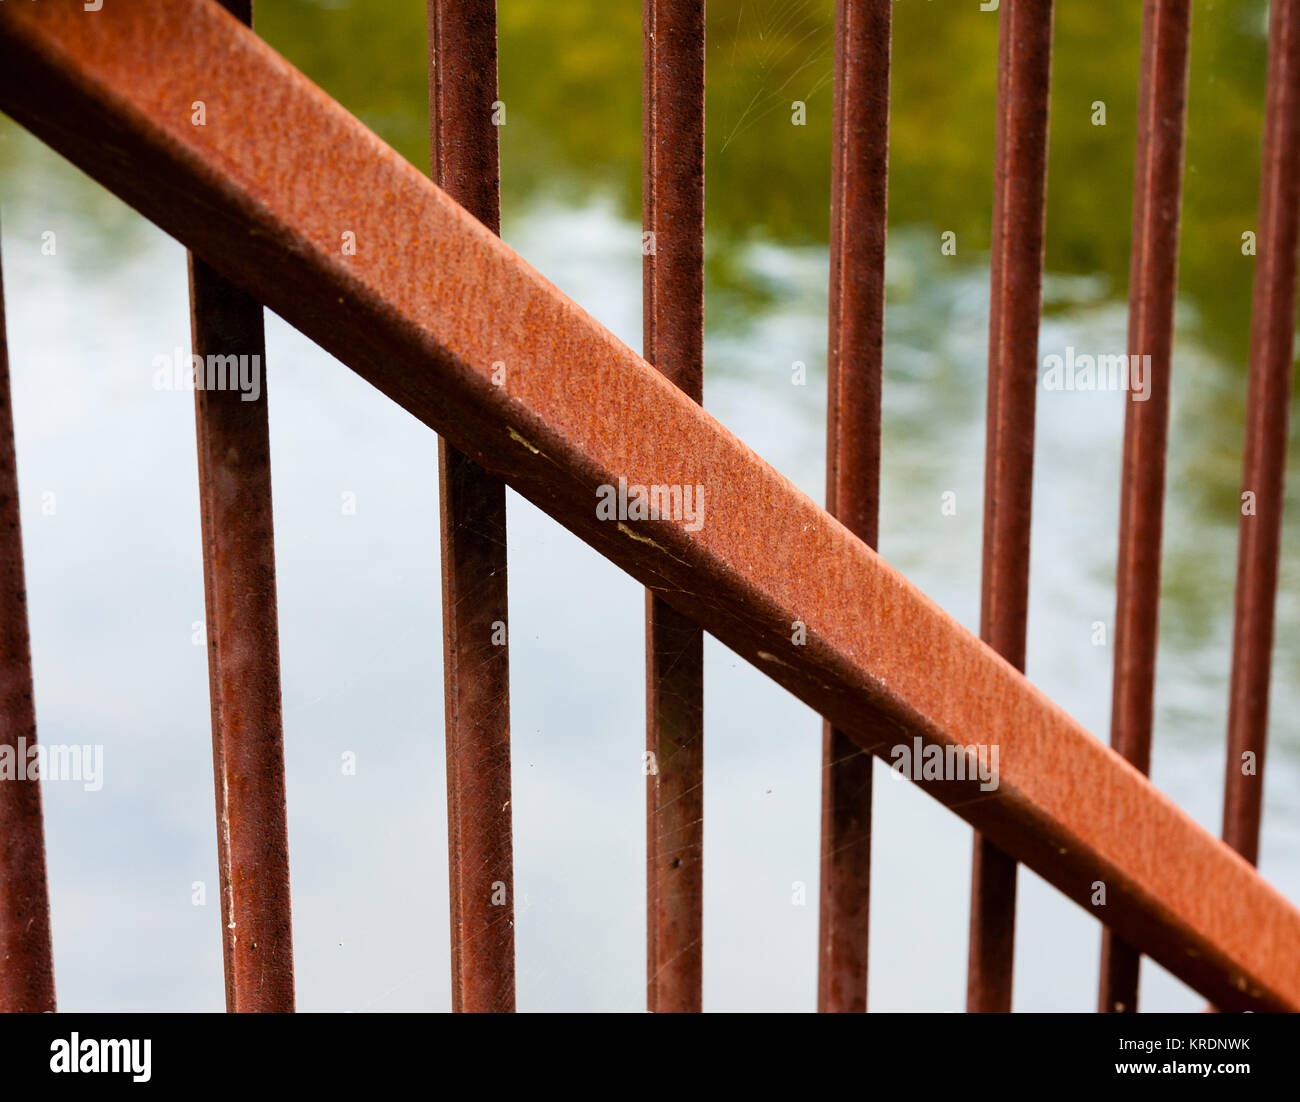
(243,651)
(26,953)
(1268,400)
(859,191)
(1019,207)
(432,299)
(243,637)
(673,335)
(476,662)
(1153,283)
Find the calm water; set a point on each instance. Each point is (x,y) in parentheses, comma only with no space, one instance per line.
(114,567)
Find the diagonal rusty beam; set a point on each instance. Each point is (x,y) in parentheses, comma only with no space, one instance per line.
(1153,283)
(859,189)
(1019,205)
(673,324)
(234,454)
(1268,404)
(432,299)
(476,662)
(26,953)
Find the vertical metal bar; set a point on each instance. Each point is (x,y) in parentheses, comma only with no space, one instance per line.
(1267,407)
(243,638)
(859,191)
(243,654)
(1019,203)
(462,99)
(26,952)
(1153,283)
(673,317)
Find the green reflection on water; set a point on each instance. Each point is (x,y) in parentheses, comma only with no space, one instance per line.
(570,78)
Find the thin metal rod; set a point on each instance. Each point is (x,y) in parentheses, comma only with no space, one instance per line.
(1268,400)
(398,314)
(859,190)
(673,324)
(1019,204)
(1153,284)
(234,453)
(26,952)
(243,652)
(476,658)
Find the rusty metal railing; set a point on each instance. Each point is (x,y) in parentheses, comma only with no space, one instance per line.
(859,186)
(430,303)
(27,978)
(673,201)
(1157,202)
(234,446)
(476,665)
(1019,213)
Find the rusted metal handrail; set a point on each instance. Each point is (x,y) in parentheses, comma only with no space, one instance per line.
(432,299)
(234,453)
(1019,210)
(1268,405)
(476,662)
(1153,282)
(673,281)
(27,973)
(234,450)
(859,187)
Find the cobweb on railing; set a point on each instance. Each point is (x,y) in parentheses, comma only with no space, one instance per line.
(786,43)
